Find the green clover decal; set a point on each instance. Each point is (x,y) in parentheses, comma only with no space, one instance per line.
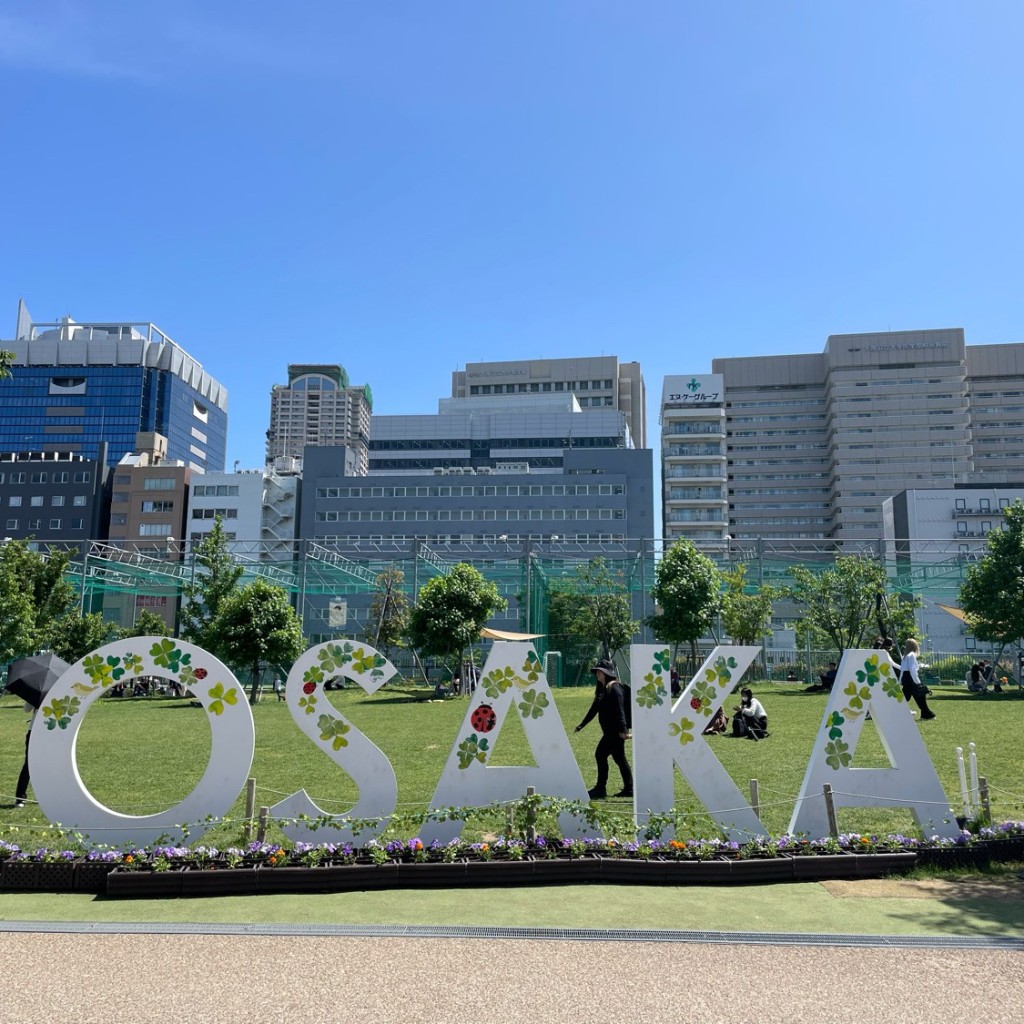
(334,656)
(187,677)
(473,748)
(133,664)
(533,704)
(308,703)
(165,654)
(891,688)
(220,698)
(313,674)
(683,729)
(651,695)
(869,674)
(662,662)
(532,667)
(704,694)
(835,723)
(837,754)
(97,669)
(333,729)
(59,711)
(498,681)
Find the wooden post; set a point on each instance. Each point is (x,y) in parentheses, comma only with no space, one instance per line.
(985,807)
(830,810)
(755,799)
(250,807)
(261,832)
(531,816)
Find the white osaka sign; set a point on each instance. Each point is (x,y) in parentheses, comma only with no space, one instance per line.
(667,735)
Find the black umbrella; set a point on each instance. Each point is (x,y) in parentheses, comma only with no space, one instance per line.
(30,678)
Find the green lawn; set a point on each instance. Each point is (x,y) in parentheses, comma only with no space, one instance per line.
(139,756)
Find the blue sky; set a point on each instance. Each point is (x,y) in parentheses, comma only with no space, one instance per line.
(405,187)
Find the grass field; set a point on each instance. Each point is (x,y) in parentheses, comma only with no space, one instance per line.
(141,755)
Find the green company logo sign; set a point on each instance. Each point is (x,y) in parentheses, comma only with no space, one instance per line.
(694,384)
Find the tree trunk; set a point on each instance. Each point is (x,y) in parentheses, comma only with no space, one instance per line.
(254,686)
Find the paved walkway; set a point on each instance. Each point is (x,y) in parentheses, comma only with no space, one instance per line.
(136,979)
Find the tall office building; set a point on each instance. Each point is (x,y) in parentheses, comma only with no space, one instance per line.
(317,407)
(598,382)
(76,385)
(816,443)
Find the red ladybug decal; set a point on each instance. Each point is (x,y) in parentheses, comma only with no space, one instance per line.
(483,718)
(308,687)
(200,673)
(695,703)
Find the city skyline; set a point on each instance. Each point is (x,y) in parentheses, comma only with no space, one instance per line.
(405,191)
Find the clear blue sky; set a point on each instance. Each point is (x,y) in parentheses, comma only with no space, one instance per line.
(404,187)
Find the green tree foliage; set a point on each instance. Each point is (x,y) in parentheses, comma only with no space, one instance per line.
(599,609)
(34,597)
(147,623)
(839,605)
(450,612)
(746,617)
(6,358)
(687,592)
(73,636)
(255,626)
(388,620)
(992,596)
(217,577)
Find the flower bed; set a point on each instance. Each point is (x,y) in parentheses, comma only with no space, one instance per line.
(328,867)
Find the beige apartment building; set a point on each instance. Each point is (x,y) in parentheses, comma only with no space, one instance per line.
(319,407)
(814,444)
(598,382)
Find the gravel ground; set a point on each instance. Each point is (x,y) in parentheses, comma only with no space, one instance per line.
(135,979)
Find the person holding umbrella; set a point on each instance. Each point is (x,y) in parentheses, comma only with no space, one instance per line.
(610,708)
(31,679)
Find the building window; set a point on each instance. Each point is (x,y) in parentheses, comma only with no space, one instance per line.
(77,524)
(36,500)
(155,530)
(15,501)
(57,500)
(158,506)
(38,478)
(118,519)
(12,524)
(83,477)
(55,524)
(158,483)
(119,497)
(961,504)
(79,500)
(35,524)
(17,478)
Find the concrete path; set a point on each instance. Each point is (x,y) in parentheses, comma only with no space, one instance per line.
(136,979)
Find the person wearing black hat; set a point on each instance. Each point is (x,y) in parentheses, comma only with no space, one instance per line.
(610,708)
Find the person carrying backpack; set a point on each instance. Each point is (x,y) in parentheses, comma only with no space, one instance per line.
(613,715)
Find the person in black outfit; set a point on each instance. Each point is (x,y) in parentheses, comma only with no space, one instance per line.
(610,708)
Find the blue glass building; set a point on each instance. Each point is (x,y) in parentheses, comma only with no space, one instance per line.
(75,385)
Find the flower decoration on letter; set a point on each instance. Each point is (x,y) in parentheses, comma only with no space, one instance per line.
(333,730)
(220,698)
(533,704)
(59,711)
(473,748)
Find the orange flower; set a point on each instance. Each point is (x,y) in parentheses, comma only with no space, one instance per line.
(677,844)
(128,858)
(484,846)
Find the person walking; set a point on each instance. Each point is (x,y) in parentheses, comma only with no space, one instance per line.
(610,708)
(910,678)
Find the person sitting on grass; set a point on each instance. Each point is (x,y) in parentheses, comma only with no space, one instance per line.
(719,724)
(750,718)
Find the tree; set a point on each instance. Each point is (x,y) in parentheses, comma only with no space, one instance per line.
(216,578)
(146,623)
(389,613)
(601,614)
(747,618)
(6,358)
(255,626)
(992,596)
(34,596)
(450,612)
(687,591)
(73,636)
(841,605)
